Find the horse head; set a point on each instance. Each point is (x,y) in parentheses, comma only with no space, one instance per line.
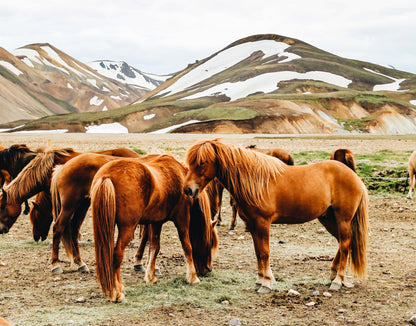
(9,212)
(202,164)
(40,224)
(202,234)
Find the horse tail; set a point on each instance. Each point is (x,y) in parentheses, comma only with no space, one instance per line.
(291,160)
(56,198)
(359,238)
(103,204)
(349,161)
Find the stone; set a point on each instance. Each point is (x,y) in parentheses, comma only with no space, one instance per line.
(412,320)
(235,322)
(293,293)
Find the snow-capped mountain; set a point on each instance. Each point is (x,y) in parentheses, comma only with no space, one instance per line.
(124,73)
(38,80)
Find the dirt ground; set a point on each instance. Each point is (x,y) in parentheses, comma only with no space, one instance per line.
(300,259)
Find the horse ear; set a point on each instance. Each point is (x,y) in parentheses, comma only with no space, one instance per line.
(214,223)
(27,208)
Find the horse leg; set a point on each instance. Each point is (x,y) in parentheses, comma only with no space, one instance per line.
(330,224)
(154,247)
(411,182)
(182,225)
(260,231)
(76,223)
(234,217)
(62,222)
(125,235)
(144,237)
(344,236)
(219,204)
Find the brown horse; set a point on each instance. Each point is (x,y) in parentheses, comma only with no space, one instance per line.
(279,153)
(34,178)
(345,156)
(412,173)
(41,210)
(128,192)
(267,191)
(70,188)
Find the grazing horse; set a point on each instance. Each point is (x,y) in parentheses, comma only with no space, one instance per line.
(268,191)
(41,210)
(279,153)
(12,161)
(70,188)
(128,192)
(412,172)
(34,178)
(345,156)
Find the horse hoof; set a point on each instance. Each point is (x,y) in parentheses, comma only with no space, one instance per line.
(335,286)
(158,272)
(139,268)
(57,270)
(264,290)
(347,284)
(84,269)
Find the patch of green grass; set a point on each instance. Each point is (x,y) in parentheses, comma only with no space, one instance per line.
(308,156)
(138,150)
(355,124)
(385,155)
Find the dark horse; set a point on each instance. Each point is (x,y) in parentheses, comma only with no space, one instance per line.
(268,191)
(128,192)
(345,156)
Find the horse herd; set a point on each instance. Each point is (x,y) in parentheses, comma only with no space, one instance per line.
(125,190)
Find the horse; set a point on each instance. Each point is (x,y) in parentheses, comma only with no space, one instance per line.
(70,188)
(128,192)
(279,153)
(41,210)
(411,168)
(345,156)
(34,178)
(268,191)
(12,161)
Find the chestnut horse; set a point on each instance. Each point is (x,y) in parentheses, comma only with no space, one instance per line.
(41,210)
(268,191)
(70,188)
(128,192)
(345,156)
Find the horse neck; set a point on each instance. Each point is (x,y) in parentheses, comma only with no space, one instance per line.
(17,194)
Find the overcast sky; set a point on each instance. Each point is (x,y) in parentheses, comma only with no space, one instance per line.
(164,36)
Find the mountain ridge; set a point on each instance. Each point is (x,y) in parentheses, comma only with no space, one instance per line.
(271,84)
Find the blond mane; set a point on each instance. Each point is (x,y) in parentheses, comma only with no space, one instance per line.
(36,173)
(246,172)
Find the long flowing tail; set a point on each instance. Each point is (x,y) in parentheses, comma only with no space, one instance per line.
(359,238)
(103,204)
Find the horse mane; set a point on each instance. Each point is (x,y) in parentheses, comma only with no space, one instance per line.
(10,158)
(36,173)
(202,234)
(247,172)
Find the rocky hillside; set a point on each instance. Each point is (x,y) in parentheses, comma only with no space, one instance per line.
(39,80)
(270,84)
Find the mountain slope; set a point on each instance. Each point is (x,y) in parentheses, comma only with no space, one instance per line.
(48,81)
(125,73)
(271,84)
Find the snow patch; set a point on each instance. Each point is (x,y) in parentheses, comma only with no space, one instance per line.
(166,130)
(227,59)
(10,67)
(149,116)
(109,128)
(413,102)
(267,83)
(93,82)
(96,101)
(69,85)
(116,97)
(105,108)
